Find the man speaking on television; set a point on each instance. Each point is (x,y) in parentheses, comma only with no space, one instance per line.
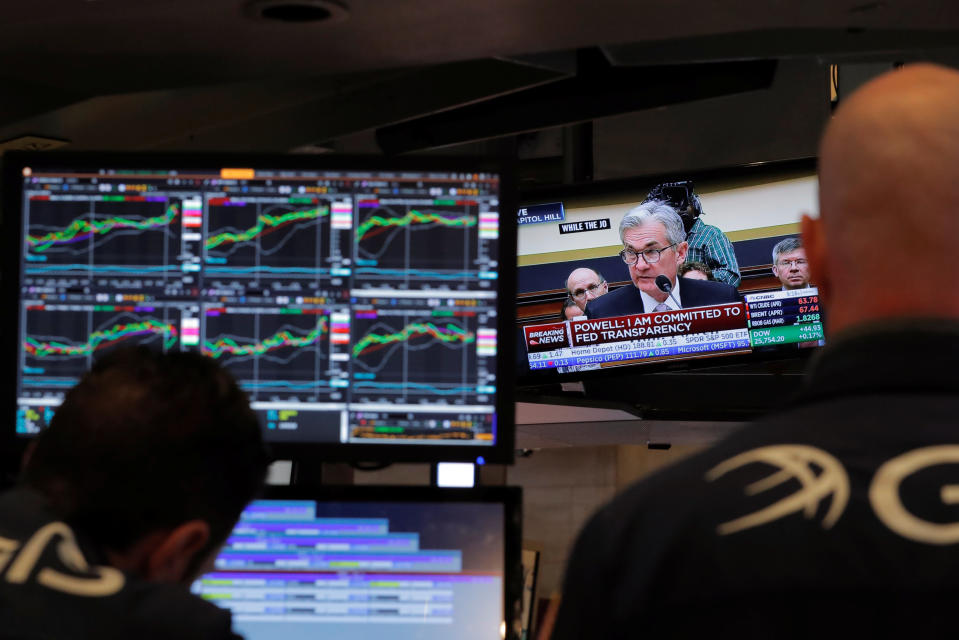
(654,246)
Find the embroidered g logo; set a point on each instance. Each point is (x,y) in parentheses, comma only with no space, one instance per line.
(795,462)
(885,500)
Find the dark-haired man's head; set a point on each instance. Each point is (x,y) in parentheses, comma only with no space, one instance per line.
(679,195)
(152,457)
(695,270)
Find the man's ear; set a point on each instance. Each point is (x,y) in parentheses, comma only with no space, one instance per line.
(681,249)
(172,557)
(814,242)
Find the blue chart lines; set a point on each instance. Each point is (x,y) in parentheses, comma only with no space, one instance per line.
(99,269)
(266,269)
(415,273)
(285,385)
(418,386)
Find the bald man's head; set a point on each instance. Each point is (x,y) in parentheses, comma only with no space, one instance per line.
(585,284)
(889,200)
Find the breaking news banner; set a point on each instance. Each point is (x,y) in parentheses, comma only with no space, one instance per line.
(687,333)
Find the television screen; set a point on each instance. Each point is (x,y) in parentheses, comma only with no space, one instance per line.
(356,301)
(372,562)
(724,281)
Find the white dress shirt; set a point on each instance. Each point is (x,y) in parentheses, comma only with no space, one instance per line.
(650,303)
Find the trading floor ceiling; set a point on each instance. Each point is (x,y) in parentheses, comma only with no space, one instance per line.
(212,74)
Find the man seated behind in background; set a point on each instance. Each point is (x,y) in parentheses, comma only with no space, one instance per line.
(570,309)
(653,245)
(696,271)
(585,284)
(132,489)
(837,516)
(790,265)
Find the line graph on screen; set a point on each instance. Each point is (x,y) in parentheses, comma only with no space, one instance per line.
(267,236)
(411,355)
(271,353)
(103,235)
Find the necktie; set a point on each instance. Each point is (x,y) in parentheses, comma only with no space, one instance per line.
(662,306)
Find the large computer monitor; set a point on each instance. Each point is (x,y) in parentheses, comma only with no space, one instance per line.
(357,301)
(373,562)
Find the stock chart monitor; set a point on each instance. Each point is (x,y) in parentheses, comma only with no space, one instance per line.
(357,305)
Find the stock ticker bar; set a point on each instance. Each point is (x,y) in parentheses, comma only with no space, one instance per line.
(784,317)
(766,319)
(579,344)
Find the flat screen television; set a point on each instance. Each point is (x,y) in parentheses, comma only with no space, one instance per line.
(373,562)
(751,211)
(357,301)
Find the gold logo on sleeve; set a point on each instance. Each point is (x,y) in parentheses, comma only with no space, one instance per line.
(98,581)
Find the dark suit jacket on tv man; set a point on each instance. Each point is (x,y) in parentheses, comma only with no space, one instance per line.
(627,299)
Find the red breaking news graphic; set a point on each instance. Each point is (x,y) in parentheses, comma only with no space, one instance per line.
(642,326)
(546,337)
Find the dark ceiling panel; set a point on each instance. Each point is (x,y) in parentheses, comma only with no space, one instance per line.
(117,46)
(781,123)
(391,98)
(22,98)
(830,45)
(593,93)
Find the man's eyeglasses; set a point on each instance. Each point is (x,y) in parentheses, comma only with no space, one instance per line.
(579,294)
(788,264)
(651,256)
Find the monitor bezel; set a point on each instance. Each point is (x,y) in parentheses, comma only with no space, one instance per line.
(501,451)
(509,497)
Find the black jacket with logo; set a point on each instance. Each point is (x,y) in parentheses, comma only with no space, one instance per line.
(53,586)
(838,517)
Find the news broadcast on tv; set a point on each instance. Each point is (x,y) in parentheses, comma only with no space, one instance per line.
(672,287)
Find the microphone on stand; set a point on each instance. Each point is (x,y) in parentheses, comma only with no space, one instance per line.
(664,285)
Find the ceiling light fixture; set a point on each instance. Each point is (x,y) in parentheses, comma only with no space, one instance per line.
(296,11)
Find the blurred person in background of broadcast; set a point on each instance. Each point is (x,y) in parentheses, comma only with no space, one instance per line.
(696,271)
(570,309)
